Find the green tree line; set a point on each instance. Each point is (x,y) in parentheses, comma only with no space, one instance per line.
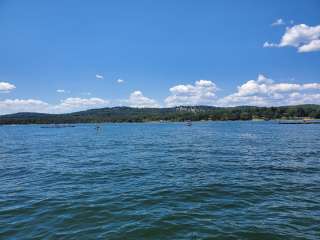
(182,113)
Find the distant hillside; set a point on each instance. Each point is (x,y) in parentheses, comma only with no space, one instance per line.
(182,113)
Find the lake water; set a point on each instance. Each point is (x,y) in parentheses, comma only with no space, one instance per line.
(213,180)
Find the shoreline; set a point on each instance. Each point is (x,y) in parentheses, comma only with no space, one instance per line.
(71,124)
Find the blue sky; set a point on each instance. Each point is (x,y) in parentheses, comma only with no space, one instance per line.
(161,50)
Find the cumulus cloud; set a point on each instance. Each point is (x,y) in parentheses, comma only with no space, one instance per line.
(303,37)
(265,92)
(67,105)
(6,87)
(202,92)
(278,22)
(99,76)
(120,80)
(312,46)
(137,99)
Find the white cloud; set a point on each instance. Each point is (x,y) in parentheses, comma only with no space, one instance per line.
(202,92)
(299,35)
(265,92)
(120,80)
(312,46)
(67,105)
(99,76)
(298,98)
(22,105)
(61,91)
(303,37)
(270,45)
(6,87)
(137,99)
(278,22)
(77,104)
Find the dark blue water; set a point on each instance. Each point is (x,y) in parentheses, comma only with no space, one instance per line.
(213,180)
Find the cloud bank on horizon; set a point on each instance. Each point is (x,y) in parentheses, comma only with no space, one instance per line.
(64,106)
(261,91)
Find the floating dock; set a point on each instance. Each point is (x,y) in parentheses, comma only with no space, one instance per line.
(298,122)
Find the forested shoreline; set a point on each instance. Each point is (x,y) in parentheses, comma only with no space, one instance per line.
(177,114)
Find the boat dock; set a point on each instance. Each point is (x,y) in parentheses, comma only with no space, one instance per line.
(299,122)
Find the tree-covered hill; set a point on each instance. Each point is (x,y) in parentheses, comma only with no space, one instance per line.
(181,113)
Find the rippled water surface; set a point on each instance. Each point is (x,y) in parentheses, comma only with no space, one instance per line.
(213,180)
